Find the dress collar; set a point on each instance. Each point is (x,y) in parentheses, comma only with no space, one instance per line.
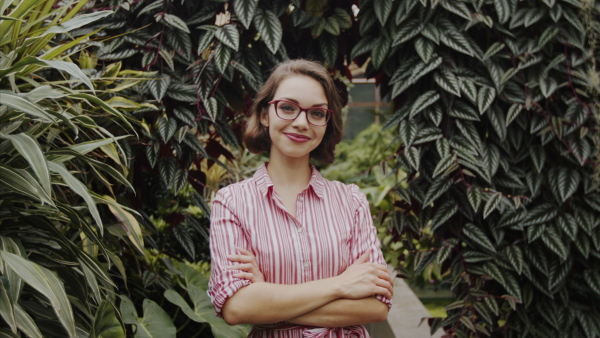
(265,185)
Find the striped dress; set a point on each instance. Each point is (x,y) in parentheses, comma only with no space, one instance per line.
(332,228)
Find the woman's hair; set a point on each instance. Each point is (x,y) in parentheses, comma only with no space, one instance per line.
(256,135)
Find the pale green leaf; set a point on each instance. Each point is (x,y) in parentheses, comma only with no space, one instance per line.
(26,323)
(32,153)
(80,189)
(129,224)
(6,308)
(19,103)
(46,283)
(72,69)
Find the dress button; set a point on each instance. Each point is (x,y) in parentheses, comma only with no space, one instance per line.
(306,265)
(300,229)
(301,198)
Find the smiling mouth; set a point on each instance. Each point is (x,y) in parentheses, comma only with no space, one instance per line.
(297,138)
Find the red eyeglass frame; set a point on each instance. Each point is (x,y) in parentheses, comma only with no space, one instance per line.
(302,109)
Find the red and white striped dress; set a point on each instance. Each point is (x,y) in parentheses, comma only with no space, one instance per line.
(332,228)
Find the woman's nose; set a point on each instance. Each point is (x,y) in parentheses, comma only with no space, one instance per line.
(301,120)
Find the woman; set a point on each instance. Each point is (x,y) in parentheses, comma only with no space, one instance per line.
(293,253)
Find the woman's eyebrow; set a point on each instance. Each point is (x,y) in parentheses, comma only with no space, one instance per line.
(296,101)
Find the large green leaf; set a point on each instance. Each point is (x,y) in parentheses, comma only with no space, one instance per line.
(203,312)
(77,22)
(106,324)
(269,27)
(46,283)
(155,323)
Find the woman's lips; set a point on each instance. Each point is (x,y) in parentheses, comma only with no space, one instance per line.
(297,137)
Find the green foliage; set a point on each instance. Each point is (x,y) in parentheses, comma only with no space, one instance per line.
(494,105)
(58,168)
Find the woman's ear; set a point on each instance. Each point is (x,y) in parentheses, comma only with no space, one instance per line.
(264,118)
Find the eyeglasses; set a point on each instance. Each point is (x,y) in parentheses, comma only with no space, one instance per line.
(287,110)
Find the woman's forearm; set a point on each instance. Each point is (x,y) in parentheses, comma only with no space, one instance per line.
(345,312)
(263,303)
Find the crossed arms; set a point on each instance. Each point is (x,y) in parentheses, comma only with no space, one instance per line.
(338,301)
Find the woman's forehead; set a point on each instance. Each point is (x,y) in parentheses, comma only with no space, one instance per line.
(301,89)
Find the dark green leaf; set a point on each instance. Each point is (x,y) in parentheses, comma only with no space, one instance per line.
(222,55)
(425,100)
(106,323)
(176,22)
(269,27)
(383,8)
(229,36)
(158,87)
(485,97)
(477,235)
(503,10)
(443,213)
(447,80)
(244,9)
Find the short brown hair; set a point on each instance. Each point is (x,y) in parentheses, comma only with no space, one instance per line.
(256,136)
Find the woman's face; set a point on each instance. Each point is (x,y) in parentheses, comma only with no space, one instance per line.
(295,138)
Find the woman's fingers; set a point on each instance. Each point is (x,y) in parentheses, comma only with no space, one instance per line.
(385,284)
(246,275)
(244,251)
(363,258)
(240,258)
(243,267)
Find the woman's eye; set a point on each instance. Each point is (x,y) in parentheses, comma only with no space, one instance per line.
(286,107)
(317,113)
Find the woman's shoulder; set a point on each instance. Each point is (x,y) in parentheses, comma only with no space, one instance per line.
(235,188)
(349,188)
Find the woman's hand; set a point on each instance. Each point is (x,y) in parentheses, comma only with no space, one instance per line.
(363,279)
(247,264)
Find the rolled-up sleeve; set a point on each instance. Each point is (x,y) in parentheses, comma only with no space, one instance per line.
(365,234)
(226,234)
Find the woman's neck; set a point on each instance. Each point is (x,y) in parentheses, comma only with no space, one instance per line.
(290,173)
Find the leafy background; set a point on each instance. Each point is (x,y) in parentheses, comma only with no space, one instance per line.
(119,120)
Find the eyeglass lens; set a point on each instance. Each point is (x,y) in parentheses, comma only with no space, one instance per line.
(289,111)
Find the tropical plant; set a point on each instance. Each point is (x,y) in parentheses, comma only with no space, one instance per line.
(59,165)
(494,104)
